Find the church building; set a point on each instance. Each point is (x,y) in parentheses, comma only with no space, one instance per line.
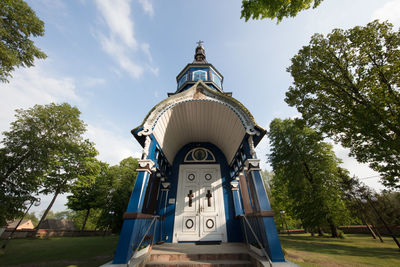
(199,179)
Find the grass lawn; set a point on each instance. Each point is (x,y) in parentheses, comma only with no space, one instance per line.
(355,250)
(59,251)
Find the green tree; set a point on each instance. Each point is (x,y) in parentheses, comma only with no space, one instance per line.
(89,192)
(279,9)
(74,161)
(120,182)
(306,173)
(18,24)
(41,153)
(347,85)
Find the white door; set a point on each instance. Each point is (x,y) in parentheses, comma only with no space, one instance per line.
(200,212)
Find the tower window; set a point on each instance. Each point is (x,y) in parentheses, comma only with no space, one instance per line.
(182,80)
(217,80)
(199,75)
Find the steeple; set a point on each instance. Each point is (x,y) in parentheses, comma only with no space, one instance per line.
(200,55)
(199,70)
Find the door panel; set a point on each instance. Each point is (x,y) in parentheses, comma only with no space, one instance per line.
(199,213)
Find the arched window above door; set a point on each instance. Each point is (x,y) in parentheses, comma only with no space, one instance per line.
(199,154)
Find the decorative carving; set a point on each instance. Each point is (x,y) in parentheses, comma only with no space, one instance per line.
(190,196)
(210,223)
(251,145)
(210,95)
(145,131)
(165,185)
(189,223)
(208,195)
(235,185)
(146,165)
(252,165)
(145,151)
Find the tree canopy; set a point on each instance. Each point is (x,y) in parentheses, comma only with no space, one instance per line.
(347,85)
(89,192)
(18,24)
(43,150)
(120,180)
(306,176)
(279,9)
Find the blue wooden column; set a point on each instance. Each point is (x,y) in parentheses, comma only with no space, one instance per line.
(263,212)
(135,223)
(236,198)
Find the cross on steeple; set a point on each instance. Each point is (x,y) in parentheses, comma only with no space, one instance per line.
(199,43)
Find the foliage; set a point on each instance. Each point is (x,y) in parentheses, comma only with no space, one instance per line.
(261,9)
(89,223)
(347,85)
(120,181)
(306,175)
(41,153)
(56,215)
(89,192)
(18,23)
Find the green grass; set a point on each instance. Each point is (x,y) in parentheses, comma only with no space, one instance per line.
(355,250)
(59,251)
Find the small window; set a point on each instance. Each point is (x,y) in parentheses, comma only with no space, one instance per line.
(199,75)
(182,80)
(199,155)
(217,80)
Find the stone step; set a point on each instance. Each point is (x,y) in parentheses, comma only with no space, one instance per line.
(162,257)
(201,263)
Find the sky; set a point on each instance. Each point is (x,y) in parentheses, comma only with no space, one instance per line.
(116,59)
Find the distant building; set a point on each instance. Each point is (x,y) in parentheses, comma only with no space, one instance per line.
(57,224)
(25,224)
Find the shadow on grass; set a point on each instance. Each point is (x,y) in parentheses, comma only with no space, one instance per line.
(326,246)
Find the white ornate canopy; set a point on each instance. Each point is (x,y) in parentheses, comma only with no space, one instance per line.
(199,114)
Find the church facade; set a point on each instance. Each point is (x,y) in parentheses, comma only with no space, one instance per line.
(199,178)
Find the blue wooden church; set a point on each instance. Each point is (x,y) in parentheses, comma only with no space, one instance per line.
(199,178)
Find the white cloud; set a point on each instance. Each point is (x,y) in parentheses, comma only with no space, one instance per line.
(120,42)
(112,145)
(30,86)
(147,7)
(119,53)
(116,13)
(389,11)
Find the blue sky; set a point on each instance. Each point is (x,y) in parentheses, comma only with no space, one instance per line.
(116,59)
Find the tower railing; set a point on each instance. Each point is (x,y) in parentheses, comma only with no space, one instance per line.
(246,222)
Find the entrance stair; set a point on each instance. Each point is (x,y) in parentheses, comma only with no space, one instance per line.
(189,254)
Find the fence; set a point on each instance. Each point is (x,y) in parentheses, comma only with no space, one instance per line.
(44,233)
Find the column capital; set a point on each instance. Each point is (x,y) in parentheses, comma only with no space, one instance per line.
(235,185)
(252,165)
(146,165)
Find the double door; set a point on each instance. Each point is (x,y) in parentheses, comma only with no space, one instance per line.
(199,213)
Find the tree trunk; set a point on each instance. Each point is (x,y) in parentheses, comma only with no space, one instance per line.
(86,217)
(320,232)
(333,228)
(377,232)
(47,210)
